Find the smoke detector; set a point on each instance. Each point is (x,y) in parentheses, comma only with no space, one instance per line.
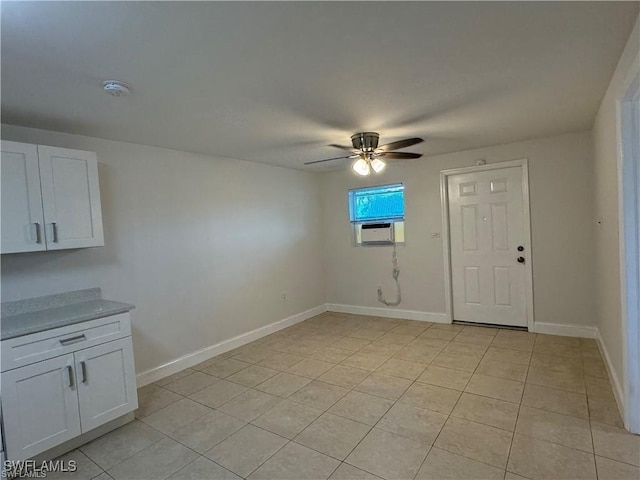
(115,88)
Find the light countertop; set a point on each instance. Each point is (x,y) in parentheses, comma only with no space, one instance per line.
(28,316)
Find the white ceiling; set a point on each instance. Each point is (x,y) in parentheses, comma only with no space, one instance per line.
(277,82)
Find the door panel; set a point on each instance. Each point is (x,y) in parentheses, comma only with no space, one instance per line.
(471,285)
(106,382)
(71,198)
(44,404)
(22,217)
(486,221)
(469,228)
(499,226)
(501,286)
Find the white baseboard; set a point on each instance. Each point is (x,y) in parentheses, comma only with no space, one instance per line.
(615,382)
(199,356)
(389,313)
(565,330)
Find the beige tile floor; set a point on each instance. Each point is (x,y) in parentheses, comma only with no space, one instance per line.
(352,397)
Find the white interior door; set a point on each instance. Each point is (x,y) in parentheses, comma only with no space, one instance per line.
(22,219)
(487,246)
(71,198)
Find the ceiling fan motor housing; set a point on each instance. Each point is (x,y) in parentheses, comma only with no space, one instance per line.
(365,141)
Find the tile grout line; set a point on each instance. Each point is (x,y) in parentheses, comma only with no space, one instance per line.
(323,412)
(452,410)
(414,382)
(128,457)
(449,414)
(168,435)
(378,421)
(352,389)
(267,459)
(515,426)
(593,445)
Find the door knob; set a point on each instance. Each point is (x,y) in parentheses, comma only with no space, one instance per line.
(520,259)
(520,248)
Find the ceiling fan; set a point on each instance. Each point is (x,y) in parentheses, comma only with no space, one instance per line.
(370,156)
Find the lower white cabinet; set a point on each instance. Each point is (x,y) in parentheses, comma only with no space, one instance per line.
(106,382)
(49,402)
(40,407)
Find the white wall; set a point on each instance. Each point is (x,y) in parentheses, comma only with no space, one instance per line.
(202,246)
(608,298)
(561,218)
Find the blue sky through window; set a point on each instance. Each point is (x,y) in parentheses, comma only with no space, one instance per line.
(377,203)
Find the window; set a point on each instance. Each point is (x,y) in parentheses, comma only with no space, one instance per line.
(377,204)
(383,204)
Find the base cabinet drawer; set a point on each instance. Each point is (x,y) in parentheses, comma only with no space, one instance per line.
(50,402)
(40,407)
(36,347)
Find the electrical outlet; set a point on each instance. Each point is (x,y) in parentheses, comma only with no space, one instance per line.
(284,296)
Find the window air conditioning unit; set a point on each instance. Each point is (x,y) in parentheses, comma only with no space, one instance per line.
(377,234)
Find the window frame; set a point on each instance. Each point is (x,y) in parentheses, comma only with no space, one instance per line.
(351,201)
(398,223)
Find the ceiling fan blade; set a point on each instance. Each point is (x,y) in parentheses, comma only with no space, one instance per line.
(407,142)
(330,159)
(343,147)
(398,155)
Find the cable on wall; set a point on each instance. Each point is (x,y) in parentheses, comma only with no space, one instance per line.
(395,273)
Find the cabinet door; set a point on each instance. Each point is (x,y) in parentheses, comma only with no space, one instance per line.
(39,407)
(106,382)
(71,198)
(22,219)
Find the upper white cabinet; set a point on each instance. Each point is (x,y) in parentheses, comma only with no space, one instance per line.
(50,198)
(22,216)
(70,198)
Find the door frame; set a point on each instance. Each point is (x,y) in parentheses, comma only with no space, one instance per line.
(526,217)
(629,235)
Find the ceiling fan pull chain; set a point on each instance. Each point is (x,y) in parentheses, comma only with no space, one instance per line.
(395,273)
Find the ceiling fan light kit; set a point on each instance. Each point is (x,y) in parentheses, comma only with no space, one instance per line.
(377,165)
(365,149)
(361,167)
(365,164)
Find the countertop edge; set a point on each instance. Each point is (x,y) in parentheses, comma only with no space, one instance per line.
(44,326)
